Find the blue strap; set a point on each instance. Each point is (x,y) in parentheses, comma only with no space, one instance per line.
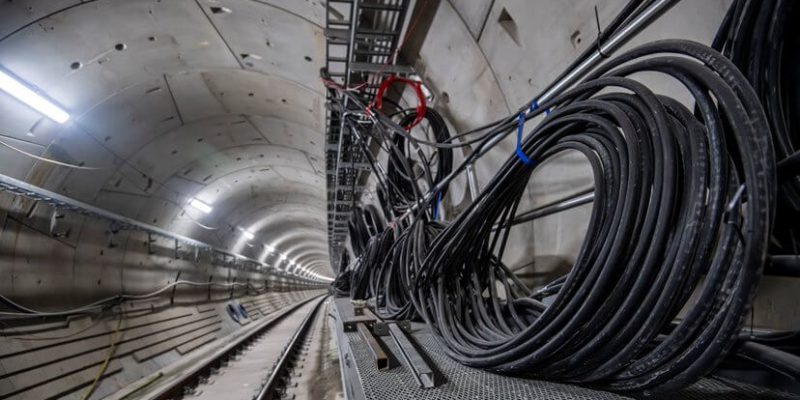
(520,130)
(438,204)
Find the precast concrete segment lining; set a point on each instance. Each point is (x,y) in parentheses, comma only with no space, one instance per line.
(173,100)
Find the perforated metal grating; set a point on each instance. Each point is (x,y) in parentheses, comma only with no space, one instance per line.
(461,382)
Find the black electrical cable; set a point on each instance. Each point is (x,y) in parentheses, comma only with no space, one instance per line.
(683,203)
(678,196)
(363,268)
(374,218)
(358,231)
(103,304)
(340,287)
(400,168)
(783,362)
(411,170)
(763,39)
(629,12)
(394,275)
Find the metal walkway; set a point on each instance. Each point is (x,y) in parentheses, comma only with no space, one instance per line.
(456,381)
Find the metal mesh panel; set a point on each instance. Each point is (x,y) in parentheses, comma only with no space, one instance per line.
(462,382)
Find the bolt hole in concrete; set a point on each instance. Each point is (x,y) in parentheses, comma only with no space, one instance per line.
(575,38)
(220,10)
(510,26)
(120,46)
(308,58)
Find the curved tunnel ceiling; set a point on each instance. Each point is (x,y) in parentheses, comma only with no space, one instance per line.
(180,99)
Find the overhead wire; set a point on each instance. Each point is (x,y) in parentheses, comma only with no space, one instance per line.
(47,160)
(99,305)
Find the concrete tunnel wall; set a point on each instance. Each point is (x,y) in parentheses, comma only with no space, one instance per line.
(169,101)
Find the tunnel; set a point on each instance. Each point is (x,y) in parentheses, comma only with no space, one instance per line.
(378,199)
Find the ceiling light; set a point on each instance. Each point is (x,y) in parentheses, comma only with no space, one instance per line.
(24,94)
(247,234)
(203,207)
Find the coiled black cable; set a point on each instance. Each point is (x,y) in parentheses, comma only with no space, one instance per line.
(394,275)
(683,203)
(362,270)
(401,169)
(340,287)
(763,39)
(358,231)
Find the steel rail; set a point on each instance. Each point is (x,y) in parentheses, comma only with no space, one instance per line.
(194,375)
(267,391)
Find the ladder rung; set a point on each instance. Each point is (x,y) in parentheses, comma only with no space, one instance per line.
(380,7)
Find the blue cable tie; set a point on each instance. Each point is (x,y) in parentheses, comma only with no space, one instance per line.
(520,130)
(438,204)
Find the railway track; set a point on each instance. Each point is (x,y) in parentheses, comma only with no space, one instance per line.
(255,367)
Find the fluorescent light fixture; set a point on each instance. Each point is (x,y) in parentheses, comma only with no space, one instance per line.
(203,207)
(283,257)
(247,234)
(24,94)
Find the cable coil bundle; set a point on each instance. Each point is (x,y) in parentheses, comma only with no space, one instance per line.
(764,43)
(683,202)
(404,174)
(393,277)
(384,264)
(362,270)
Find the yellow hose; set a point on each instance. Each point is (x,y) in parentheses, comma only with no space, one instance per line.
(115,339)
